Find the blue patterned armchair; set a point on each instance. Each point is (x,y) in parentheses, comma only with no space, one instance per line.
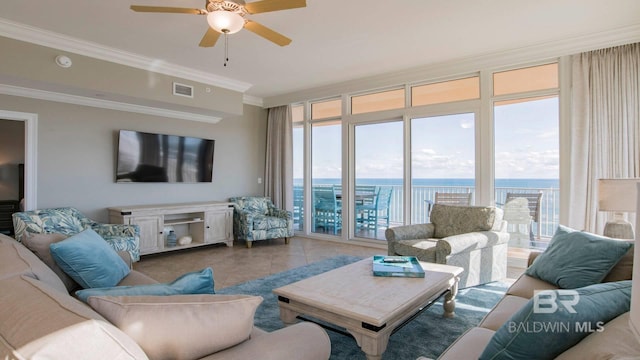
(70,221)
(256,218)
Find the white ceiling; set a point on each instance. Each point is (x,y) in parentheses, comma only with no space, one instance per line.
(333,40)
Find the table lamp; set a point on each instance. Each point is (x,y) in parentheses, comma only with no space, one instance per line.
(619,196)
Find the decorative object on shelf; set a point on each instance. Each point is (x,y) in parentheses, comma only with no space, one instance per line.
(619,196)
(185,240)
(171,239)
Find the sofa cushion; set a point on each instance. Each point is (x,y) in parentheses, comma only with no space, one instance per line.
(623,270)
(197,282)
(616,341)
(15,260)
(89,260)
(502,312)
(423,249)
(32,309)
(544,328)
(453,220)
(469,345)
(181,327)
(526,285)
(39,245)
(98,338)
(575,259)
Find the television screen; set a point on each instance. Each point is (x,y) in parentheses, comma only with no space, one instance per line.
(147,157)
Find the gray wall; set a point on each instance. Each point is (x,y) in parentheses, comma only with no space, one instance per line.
(77,152)
(11,154)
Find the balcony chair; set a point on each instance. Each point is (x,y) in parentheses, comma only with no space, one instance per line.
(534,200)
(371,214)
(472,237)
(446,198)
(69,221)
(256,218)
(516,213)
(327,213)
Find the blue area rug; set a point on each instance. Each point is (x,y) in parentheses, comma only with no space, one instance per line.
(428,335)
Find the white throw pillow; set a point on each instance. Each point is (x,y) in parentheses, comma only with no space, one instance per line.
(181,326)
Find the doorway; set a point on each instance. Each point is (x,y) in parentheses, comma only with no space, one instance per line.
(27,192)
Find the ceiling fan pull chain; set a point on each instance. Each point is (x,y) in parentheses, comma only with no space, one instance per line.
(226,49)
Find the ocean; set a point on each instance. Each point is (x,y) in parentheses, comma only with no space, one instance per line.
(500,183)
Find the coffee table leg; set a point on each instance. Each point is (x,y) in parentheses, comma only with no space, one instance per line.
(373,347)
(288,317)
(449,303)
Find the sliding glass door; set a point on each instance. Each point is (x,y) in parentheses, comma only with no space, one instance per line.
(378,178)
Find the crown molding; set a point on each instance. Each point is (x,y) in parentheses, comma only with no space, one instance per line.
(42,37)
(104,104)
(523,55)
(252,100)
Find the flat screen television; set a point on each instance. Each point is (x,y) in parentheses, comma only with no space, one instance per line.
(148,157)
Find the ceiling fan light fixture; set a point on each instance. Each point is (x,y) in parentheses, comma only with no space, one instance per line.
(225,22)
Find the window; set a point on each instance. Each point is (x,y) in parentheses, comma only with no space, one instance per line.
(385,100)
(326,109)
(326,177)
(442,159)
(446,91)
(379,173)
(526,79)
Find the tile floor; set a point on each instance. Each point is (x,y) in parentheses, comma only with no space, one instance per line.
(238,264)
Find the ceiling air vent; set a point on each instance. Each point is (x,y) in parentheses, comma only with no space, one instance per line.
(182,90)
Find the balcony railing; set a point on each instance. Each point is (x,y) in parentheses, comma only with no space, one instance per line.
(421,195)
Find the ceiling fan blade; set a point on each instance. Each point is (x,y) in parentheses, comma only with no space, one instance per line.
(267,33)
(210,38)
(273,5)
(164,9)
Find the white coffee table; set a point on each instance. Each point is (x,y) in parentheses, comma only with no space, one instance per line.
(369,307)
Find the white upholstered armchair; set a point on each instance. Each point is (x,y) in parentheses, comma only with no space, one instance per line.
(472,237)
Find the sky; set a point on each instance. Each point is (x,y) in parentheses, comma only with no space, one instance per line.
(526,145)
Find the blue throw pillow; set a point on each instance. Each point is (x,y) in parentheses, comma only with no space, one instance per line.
(555,320)
(198,282)
(577,258)
(89,260)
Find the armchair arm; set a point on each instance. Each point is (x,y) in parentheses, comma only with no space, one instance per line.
(408,232)
(121,237)
(281,213)
(242,223)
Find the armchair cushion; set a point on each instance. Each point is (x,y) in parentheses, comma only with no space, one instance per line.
(453,220)
(88,260)
(577,258)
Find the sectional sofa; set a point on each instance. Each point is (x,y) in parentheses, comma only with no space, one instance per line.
(40,319)
(598,328)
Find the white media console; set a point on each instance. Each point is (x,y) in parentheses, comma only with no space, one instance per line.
(206,222)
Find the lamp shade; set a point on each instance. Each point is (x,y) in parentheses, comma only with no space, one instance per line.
(226,22)
(617,194)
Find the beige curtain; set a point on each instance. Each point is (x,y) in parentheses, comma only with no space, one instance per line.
(605,127)
(278,184)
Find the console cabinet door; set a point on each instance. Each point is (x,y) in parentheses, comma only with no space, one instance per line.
(218,225)
(150,233)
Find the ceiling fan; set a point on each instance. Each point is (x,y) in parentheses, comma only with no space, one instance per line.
(228,17)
